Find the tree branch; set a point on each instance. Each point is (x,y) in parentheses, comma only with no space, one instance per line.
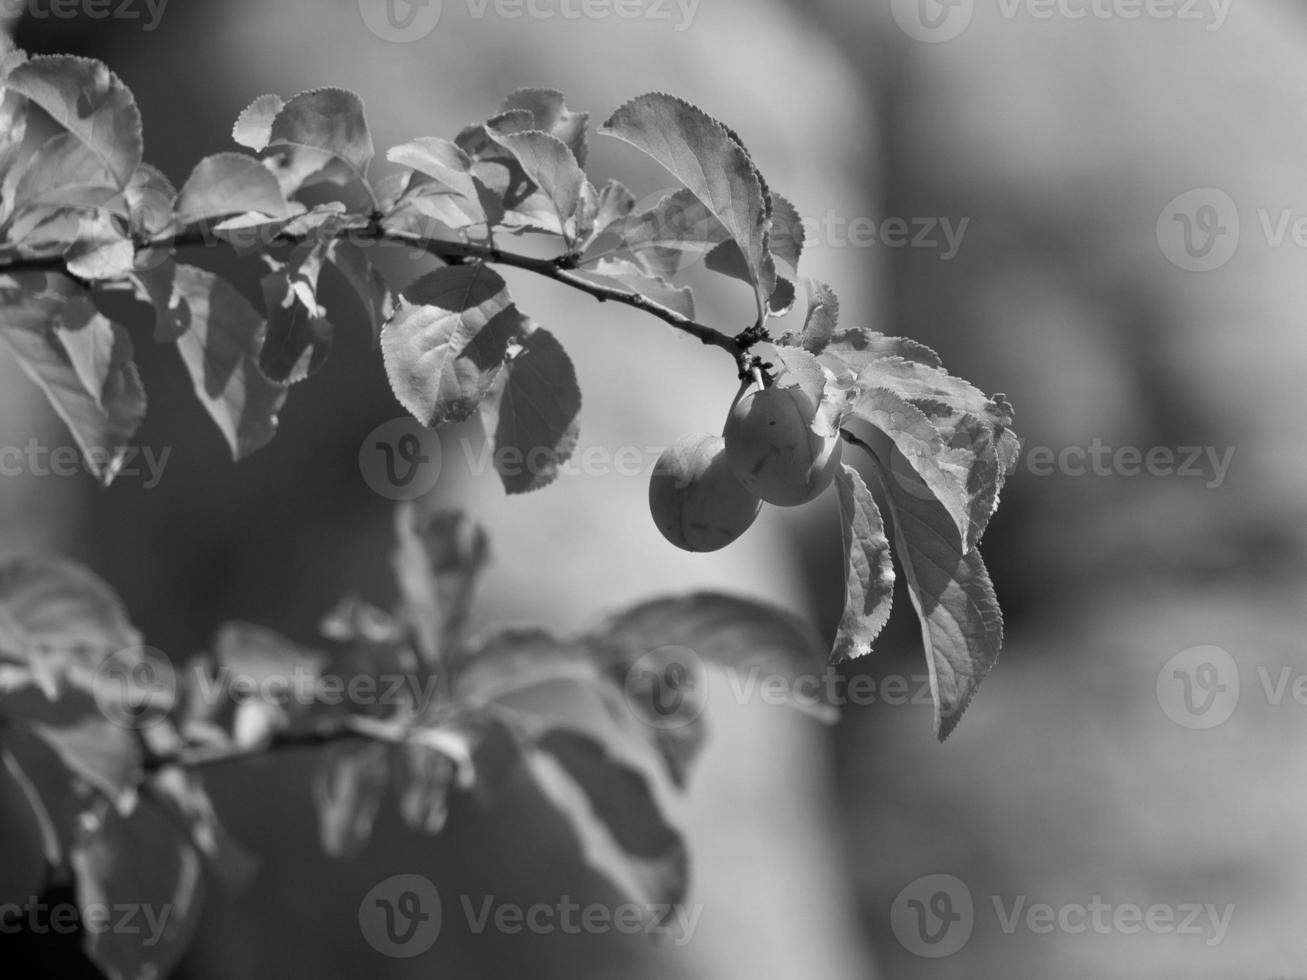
(558,269)
(347,728)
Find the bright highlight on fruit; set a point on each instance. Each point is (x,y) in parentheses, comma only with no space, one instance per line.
(696,502)
(772,449)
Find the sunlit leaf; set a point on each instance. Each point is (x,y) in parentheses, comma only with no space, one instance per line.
(868,572)
(530,413)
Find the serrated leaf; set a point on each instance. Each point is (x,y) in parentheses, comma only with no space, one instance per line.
(961,623)
(13,132)
(868,571)
(787,236)
(59,611)
(531,412)
(299,336)
(444,186)
(101,250)
(550,114)
(550,165)
(89,101)
(367,282)
(253,128)
(627,275)
(152,282)
(615,815)
(937,472)
(103,420)
(226,184)
(437,561)
(517,200)
(329,120)
(448,340)
(63,174)
(151,201)
(979,447)
(782,298)
(821,320)
(219,344)
(857,348)
(614,204)
(796,368)
(664,239)
(347,789)
(711,163)
(88,339)
(167,891)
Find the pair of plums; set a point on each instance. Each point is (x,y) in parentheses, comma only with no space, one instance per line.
(706,490)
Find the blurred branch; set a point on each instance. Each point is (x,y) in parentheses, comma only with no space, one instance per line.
(348,728)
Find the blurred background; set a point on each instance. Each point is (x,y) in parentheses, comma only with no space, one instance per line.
(1100,201)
